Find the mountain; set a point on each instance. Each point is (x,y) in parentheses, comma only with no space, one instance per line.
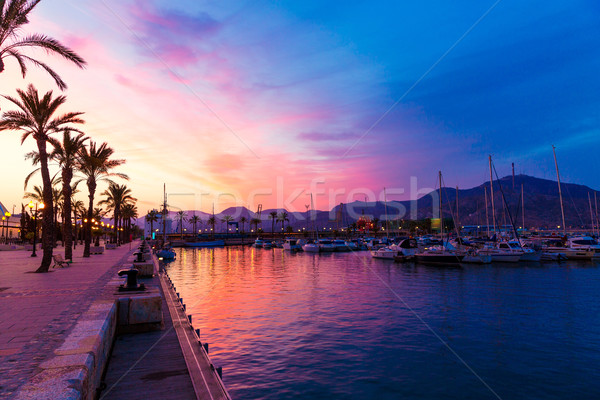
(542,207)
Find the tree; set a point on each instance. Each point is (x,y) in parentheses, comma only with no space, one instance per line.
(194,220)
(116,197)
(255,221)
(181,215)
(212,221)
(14,14)
(95,164)
(227,219)
(152,217)
(243,220)
(65,154)
(273,218)
(78,210)
(35,118)
(282,217)
(129,211)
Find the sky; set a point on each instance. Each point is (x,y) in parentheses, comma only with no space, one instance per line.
(240,103)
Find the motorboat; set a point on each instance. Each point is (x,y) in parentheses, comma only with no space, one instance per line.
(439,257)
(473,256)
(311,247)
(385,253)
(292,245)
(561,247)
(258,243)
(529,254)
(586,243)
(326,246)
(341,245)
(166,253)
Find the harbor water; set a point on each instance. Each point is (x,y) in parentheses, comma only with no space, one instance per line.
(346,326)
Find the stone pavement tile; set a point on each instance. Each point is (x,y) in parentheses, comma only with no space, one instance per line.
(39,310)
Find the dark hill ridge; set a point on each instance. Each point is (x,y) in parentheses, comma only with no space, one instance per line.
(542,207)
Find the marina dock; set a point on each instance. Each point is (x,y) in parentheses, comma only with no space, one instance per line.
(62,334)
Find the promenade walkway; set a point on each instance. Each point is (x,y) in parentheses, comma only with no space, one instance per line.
(37,311)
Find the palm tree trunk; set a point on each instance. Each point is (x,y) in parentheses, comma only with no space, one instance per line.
(48,210)
(88,226)
(116,225)
(67,174)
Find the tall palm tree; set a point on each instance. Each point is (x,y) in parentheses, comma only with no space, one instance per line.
(14,14)
(255,221)
(243,220)
(65,153)
(282,217)
(35,118)
(95,164)
(227,219)
(78,208)
(116,197)
(129,211)
(212,220)
(194,219)
(152,217)
(273,217)
(181,215)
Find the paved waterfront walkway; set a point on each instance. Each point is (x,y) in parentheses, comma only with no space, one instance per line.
(37,311)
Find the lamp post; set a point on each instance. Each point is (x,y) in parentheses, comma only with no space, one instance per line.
(30,205)
(7,215)
(3,219)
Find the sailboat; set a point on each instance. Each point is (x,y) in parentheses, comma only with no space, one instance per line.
(443,256)
(166,253)
(312,246)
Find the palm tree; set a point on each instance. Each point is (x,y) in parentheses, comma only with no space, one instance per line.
(13,16)
(273,217)
(129,211)
(65,154)
(255,221)
(181,215)
(152,217)
(194,219)
(211,221)
(35,119)
(116,197)
(96,164)
(282,218)
(243,220)
(78,209)
(227,219)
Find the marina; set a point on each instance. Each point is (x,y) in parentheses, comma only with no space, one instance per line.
(284,324)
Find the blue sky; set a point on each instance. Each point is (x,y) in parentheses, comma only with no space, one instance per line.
(246,94)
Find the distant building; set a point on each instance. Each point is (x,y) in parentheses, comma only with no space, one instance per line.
(157,225)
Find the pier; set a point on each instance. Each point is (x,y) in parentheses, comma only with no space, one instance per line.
(69,334)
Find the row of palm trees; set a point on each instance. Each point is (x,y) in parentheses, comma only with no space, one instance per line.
(37,117)
(211,221)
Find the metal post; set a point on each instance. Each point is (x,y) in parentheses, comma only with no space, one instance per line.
(34,231)
(487,218)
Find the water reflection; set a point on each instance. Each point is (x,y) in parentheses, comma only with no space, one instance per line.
(306,325)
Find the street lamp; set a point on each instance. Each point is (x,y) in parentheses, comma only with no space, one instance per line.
(30,205)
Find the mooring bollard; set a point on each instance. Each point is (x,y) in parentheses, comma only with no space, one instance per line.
(183,307)
(190,319)
(198,333)
(205,345)
(220,372)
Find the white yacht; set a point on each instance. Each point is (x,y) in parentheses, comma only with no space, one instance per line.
(326,245)
(258,243)
(311,247)
(292,245)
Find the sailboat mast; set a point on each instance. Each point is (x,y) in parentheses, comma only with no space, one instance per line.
(562,209)
(492,196)
(596,209)
(387,228)
(441,214)
(487,218)
(164,213)
(522,207)
(591,212)
(457,220)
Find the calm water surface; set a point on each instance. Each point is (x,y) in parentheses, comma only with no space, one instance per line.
(342,325)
